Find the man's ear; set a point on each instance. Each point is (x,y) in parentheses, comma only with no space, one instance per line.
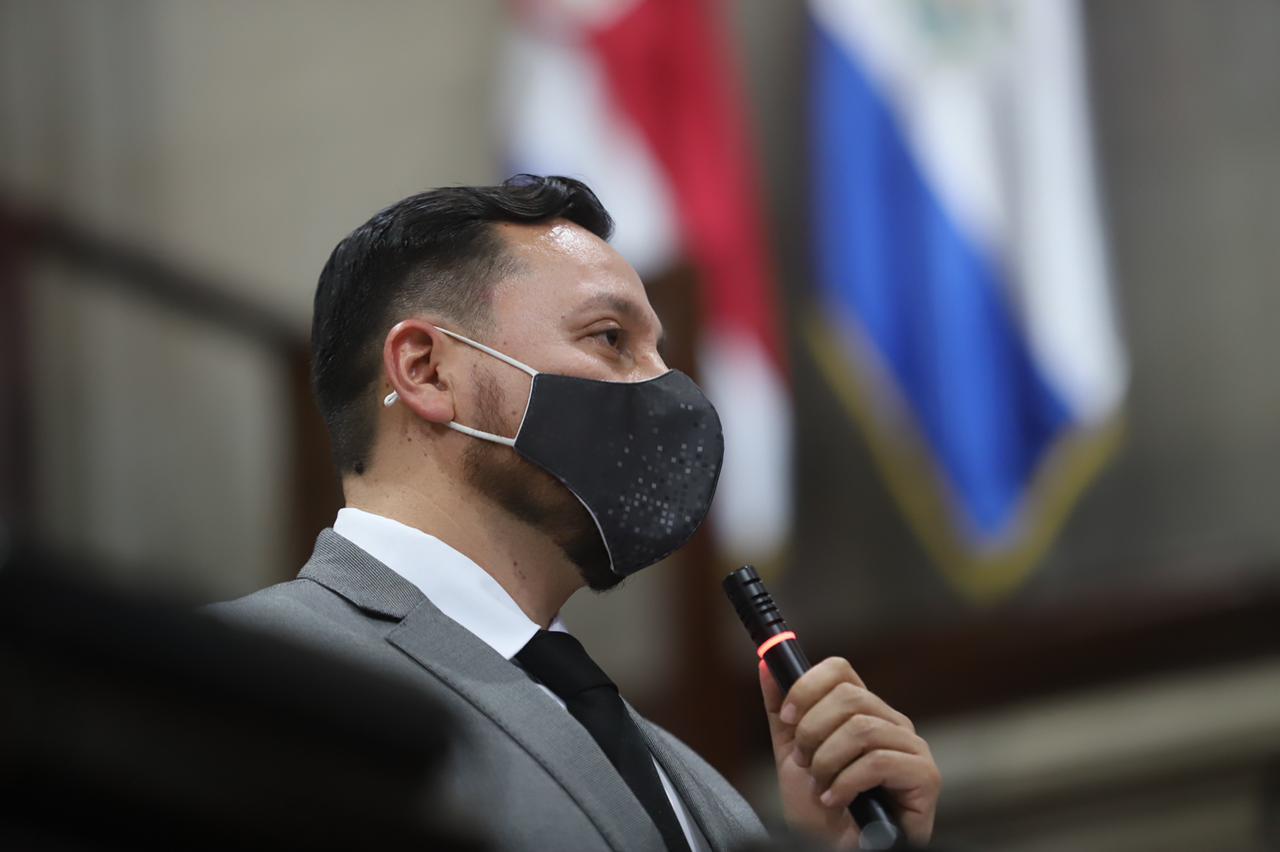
(411,358)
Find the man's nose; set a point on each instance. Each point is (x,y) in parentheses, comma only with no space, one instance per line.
(650,367)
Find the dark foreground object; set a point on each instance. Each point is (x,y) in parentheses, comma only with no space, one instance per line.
(125,724)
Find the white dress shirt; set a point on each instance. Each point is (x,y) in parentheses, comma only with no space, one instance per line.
(466,593)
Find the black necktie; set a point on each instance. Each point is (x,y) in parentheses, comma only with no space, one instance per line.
(563,666)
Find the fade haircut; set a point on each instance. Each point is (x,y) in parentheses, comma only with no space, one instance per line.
(435,252)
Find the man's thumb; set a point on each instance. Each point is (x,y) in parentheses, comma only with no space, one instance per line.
(773,696)
(770,690)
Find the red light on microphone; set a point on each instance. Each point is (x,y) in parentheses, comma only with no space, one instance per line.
(776,639)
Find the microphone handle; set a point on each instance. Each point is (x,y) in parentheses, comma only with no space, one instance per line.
(781,652)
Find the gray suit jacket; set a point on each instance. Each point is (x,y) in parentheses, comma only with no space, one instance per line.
(527,774)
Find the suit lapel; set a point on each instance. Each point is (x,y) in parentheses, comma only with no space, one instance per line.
(528,715)
(491,684)
(704,806)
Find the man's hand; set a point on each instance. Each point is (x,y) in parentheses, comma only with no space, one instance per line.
(833,739)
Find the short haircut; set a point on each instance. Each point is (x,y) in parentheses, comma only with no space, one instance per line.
(436,252)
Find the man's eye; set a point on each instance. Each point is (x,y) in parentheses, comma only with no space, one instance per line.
(611,336)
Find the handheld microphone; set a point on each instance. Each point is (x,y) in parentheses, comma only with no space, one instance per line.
(776,644)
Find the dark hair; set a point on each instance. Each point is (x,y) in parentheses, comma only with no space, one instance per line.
(436,251)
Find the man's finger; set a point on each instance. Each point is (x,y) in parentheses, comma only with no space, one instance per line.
(912,780)
(910,777)
(860,735)
(834,709)
(814,684)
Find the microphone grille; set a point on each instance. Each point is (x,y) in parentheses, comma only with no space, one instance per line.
(753,603)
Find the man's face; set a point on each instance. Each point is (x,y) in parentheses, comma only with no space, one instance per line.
(576,308)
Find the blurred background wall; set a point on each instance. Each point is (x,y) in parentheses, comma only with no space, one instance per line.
(174,174)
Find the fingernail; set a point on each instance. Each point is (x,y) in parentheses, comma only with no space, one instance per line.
(827,798)
(788,714)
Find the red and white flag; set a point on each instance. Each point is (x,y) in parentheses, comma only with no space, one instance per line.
(639,99)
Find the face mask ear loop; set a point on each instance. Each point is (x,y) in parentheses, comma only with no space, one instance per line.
(484,436)
(506,359)
(391,398)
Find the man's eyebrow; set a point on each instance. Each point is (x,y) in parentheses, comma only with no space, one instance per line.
(627,308)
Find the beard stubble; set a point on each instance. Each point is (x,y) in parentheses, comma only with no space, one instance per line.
(530,494)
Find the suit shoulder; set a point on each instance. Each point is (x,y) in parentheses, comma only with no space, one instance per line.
(281,595)
(297,603)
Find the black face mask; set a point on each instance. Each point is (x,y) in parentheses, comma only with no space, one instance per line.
(642,457)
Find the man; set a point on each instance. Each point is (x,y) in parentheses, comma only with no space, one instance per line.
(489,370)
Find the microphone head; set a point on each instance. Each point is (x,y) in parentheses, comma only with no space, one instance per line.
(754,605)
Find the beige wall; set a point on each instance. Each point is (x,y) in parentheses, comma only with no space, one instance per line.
(243,137)
(239,140)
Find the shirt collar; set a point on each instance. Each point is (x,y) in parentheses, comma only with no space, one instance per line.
(458,587)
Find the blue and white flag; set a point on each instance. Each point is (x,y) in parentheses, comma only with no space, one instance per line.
(965,312)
